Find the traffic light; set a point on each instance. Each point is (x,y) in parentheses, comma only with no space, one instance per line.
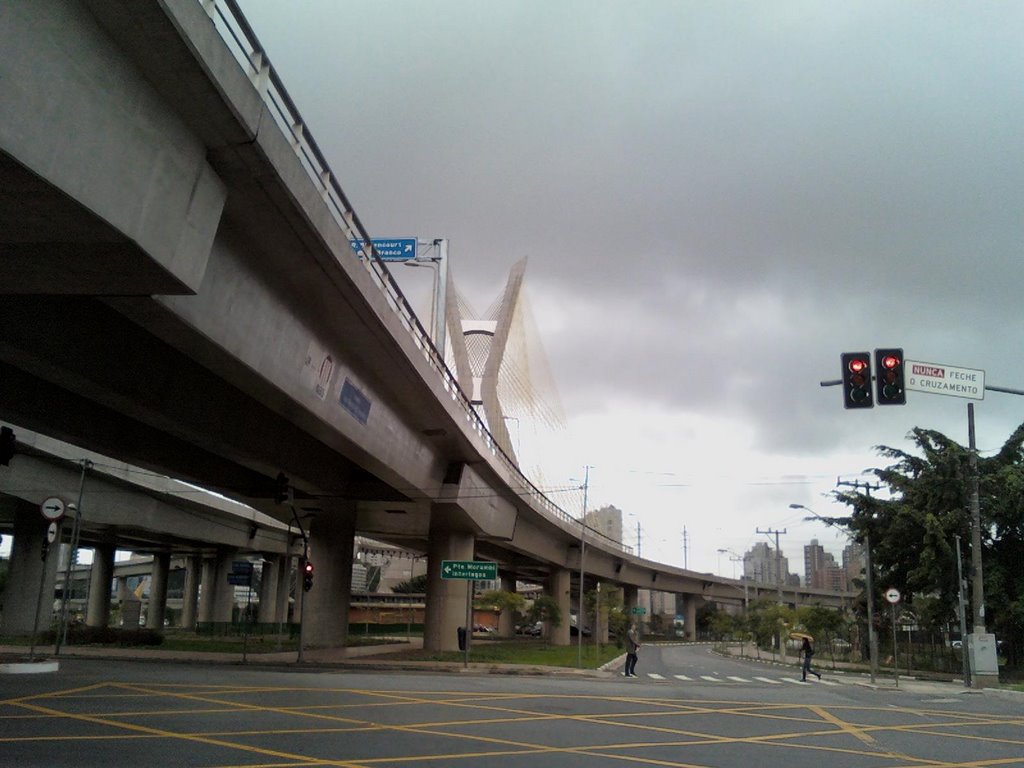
(856,380)
(307,575)
(7,445)
(281,488)
(889,379)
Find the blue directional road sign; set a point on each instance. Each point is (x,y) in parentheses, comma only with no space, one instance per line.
(469,569)
(241,574)
(392,249)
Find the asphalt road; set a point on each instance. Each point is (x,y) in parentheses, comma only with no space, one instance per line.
(687,708)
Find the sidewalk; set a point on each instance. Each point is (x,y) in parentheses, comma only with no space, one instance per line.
(884,680)
(352,658)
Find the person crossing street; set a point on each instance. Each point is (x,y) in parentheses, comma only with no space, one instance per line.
(632,646)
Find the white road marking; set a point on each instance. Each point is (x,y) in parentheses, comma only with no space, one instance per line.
(682,677)
(711,679)
(768,680)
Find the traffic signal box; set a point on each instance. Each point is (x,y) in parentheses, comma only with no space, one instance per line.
(8,445)
(856,380)
(307,575)
(281,488)
(889,388)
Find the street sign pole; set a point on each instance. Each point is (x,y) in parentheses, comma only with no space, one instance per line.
(893,596)
(470,588)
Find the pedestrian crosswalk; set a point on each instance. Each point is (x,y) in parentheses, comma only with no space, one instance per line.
(738,679)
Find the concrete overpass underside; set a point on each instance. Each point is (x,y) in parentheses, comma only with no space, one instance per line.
(180,293)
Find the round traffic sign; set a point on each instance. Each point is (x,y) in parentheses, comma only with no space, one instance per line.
(53,508)
(51,533)
(892,595)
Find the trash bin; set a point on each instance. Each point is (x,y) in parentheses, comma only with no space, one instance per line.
(462,638)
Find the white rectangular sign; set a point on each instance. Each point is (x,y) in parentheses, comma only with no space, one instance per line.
(944,380)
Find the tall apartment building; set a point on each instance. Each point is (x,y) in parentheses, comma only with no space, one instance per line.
(854,562)
(821,570)
(760,564)
(607,521)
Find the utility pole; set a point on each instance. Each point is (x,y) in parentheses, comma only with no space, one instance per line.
(977,582)
(869,585)
(686,549)
(778,559)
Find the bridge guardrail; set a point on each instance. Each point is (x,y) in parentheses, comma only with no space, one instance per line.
(235,30)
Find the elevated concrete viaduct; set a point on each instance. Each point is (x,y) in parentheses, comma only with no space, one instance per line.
(125,509)
(180,293)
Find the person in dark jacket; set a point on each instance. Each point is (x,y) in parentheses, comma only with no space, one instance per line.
(807,651)
(632,646)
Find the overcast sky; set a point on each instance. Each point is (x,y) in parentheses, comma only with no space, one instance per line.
(716,199)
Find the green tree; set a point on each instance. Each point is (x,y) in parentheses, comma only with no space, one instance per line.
(414,586)
(912,532)
(545,608)
(722,625)
(502,601)
(769,622)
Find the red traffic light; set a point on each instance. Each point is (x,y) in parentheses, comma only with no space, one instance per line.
(856,380)
(307,568)
(890,385)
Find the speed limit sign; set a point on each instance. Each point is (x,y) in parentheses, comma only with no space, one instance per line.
(892,595)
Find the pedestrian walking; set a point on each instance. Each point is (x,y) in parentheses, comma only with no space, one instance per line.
(632,647)
(807,651)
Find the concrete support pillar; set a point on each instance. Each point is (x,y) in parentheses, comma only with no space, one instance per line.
(690,616)
(446,598)
(630,598)
(284,590)
(97,612)
(223,593)
(267,613)
(325,609)
(207,591)
(559,588)
(27,571)
(190,593)
(157,608)
(506,620)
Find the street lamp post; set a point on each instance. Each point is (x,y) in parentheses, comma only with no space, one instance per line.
(868,583)
(583,549)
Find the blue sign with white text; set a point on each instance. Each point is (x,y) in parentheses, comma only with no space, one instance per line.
(393,249)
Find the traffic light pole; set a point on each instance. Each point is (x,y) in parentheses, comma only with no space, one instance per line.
(298,586)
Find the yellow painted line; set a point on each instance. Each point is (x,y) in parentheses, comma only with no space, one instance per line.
(52,694)
(488,704)
(299,759)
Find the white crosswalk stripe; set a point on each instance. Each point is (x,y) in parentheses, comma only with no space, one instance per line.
(749,680)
